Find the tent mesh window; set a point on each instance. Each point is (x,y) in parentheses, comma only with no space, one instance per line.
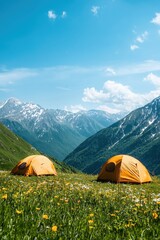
(22,166)
(110,167)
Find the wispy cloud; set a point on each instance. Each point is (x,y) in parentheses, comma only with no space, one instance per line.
(4,90)
(139,40)
(142,37)
(134,47)
(64,14)
(108,109)
(52,15)
(10,76)
(144,67)
(75,108)
(95,10)
(110,71)
(156,19)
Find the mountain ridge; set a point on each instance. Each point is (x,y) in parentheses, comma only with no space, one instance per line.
(53,132)
(136,134)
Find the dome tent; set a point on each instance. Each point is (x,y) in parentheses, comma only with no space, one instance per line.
(124,169)
(34,165)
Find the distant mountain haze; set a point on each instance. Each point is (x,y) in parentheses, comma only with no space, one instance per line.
(137,134)
(53,132)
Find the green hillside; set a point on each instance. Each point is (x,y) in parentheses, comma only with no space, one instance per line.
(12,149)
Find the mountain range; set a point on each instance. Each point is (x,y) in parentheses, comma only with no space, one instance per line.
(137,134)
(53,132)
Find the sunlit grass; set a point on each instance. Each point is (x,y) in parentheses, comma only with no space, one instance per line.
(76,206)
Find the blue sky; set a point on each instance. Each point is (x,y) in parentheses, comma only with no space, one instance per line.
(80,54)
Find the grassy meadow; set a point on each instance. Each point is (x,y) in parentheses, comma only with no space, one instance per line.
(76,206)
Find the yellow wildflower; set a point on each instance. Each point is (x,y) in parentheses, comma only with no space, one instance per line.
(91,214)
(4,196)
(138,205)
(158,202)
(19,211)
(155,215)
(113,215)
(37,208)
(45,216)
(129,225)
(54,228)
(55,196)
(90,221)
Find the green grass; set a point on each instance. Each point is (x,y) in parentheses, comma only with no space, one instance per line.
(76,206)
(12,149)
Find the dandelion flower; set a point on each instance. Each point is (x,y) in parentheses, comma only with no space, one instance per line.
(45,216)
(155,215)
(129,225)
(138,205)
(91,214)
(90,221)
(4,196)
(19,211)
(54,228)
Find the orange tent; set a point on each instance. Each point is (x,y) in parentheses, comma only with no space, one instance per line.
(34,165)
(124,169)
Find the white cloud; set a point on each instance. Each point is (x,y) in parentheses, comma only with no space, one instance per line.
(52,15)
(134,47)
(95,10)
(153,79)
(110,71)
(108,109)
(75,108)
(64,14)
(119,97)
(156,19)
(92,95)
(142,37)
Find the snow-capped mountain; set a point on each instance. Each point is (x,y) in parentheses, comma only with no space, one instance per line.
(54,132)
(137,134)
